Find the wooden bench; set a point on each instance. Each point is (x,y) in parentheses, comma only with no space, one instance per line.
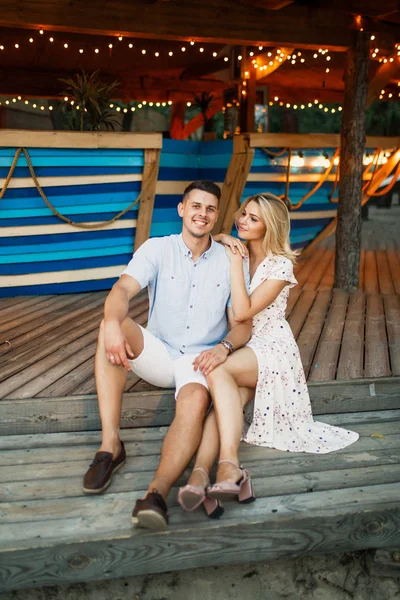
(50,533)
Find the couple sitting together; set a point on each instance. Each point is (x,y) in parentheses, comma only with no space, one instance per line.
(217,333)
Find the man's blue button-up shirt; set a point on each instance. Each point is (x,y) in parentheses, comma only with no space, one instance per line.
(188,300)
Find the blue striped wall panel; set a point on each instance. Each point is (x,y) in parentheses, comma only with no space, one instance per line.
(34,250)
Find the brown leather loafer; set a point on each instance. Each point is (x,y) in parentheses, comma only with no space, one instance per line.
(151,512)
(98,477)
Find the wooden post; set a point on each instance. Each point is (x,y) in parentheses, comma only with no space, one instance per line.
(348,233)
(248,91)
(235,181)
(146,205)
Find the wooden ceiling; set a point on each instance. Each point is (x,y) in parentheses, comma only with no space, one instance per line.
(221,27)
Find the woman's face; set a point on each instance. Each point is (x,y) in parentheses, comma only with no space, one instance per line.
(249,224)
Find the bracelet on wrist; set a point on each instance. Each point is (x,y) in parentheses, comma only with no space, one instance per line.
(228,345)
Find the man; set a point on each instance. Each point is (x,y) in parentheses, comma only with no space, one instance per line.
(188,278)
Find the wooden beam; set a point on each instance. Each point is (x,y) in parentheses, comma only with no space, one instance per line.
(314,140)
(348,234)
(78,139)
(240,24)
(385,73)
(235,180)
(149,181)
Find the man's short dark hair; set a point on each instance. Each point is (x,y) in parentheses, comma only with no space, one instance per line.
(204,185)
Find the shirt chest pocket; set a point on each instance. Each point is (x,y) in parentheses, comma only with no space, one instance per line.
(172,290)
(214,295)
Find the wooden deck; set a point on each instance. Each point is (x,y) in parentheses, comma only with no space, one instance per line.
(50,533)
(48,343)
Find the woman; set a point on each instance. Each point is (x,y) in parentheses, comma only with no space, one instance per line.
(271,363)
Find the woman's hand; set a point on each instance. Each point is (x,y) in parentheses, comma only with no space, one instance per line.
(235,257)
(235,245)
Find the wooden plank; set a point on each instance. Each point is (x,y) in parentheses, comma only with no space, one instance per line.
(234,183)
(43,308)
(394,267)
(319,271)
(157,408)
(300,311)
(241,24)
(327,280)
(27,305)
(392,314)
(384,277)
(253,533)
(24,334)
(48,344)
(309,267)
(376,346)
(326,356)
(371,283)
(56,366)
(6,302)
(362,270)
(309,336)
(294,295)
(79,139)
(282,477)
(351,360)
(145,214)
(314,140)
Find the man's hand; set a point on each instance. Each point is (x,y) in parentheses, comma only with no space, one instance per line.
(117,349)
(207,360)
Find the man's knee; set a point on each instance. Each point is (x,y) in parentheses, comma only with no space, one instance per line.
(193,402)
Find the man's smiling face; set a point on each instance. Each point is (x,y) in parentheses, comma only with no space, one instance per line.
(199,212)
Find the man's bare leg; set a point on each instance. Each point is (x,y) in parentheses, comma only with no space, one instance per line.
(209,447)
(183,437)
(110,384)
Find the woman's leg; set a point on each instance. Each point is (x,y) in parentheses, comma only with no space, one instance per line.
(209,446)
(240,370)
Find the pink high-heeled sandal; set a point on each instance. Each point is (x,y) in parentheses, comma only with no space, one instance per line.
(242,489)
(191,497)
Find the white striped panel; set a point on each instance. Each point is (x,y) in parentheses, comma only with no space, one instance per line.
(61,277)
(29,230)
(27,182)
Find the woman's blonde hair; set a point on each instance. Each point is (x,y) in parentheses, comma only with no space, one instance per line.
(275,216)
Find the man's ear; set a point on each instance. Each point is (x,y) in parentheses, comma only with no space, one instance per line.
(180,209)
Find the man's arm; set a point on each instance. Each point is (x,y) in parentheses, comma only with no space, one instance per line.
(116,309)
(238,335)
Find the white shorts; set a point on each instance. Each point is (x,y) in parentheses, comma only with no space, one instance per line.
(156,366)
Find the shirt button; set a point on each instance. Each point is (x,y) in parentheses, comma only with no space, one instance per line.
(188,327)
(183,346)
(191,306)
(195,265)
(194,285)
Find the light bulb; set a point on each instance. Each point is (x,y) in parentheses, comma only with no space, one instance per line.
(143,51)
(31,40)
(201,49)
(133,108)
(130,45)
(226,58)
(41,31)
(120,38)
(51,39)
(65,45)
(183,49)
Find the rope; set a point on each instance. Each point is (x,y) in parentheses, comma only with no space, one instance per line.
(320,182)
(145,186)
(389,186)
(374,164)
(273,154)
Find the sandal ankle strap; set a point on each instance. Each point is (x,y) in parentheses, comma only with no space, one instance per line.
(230,462)
(204,472)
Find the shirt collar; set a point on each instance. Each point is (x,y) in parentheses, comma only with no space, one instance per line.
(188,253)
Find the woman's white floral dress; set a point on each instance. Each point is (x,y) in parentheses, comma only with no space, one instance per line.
(282,416)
